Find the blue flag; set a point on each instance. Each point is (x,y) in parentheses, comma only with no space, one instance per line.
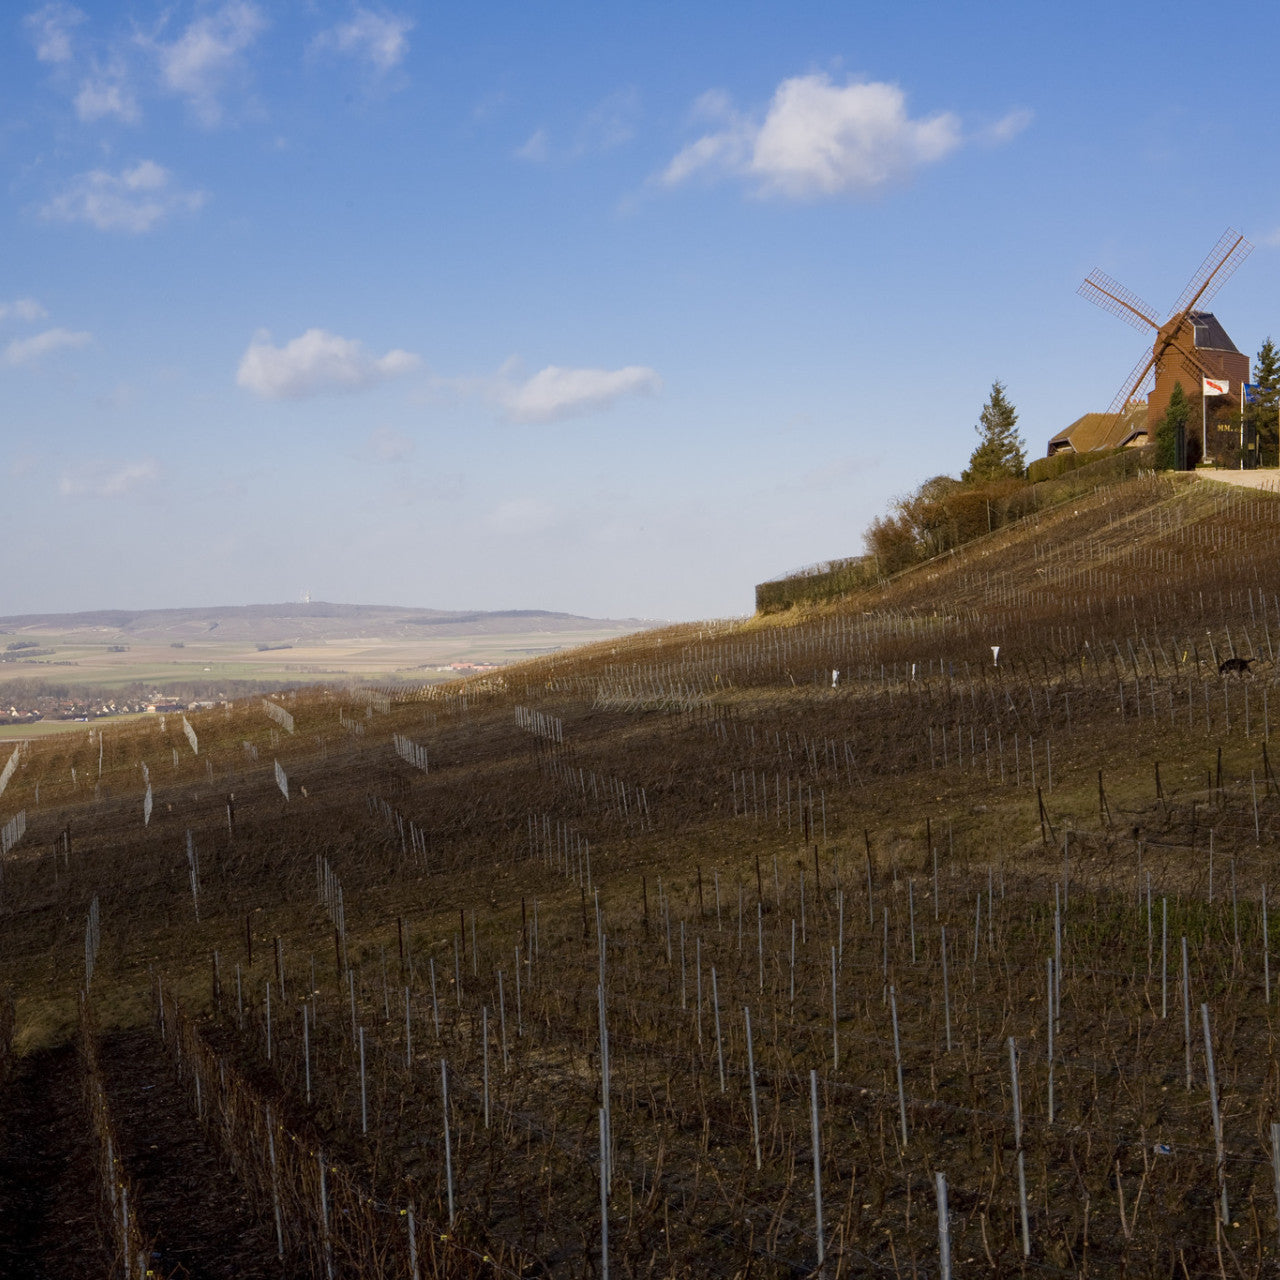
(1252,393)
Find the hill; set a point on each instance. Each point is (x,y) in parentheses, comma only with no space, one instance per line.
(80,663)
(729,936)
(310,621)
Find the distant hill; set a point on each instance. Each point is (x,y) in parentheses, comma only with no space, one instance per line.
(309,622)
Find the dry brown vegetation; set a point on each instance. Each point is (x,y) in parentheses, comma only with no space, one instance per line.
(680,828)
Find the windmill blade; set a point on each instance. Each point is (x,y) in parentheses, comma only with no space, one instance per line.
(1134,382)
(1112,296)
(1225,256)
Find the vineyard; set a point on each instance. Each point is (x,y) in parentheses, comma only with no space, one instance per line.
(923,934)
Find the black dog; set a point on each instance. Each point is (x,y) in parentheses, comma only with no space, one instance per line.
(1239,666)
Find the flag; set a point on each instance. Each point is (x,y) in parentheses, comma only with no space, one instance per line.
(1252,393)
(1216,387)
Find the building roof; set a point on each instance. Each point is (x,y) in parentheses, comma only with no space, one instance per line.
(1209,333)
(1102,430)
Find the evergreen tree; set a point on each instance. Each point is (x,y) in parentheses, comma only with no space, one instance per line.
(1171,432)
(1262,418)
(1266,373)
(1000,454)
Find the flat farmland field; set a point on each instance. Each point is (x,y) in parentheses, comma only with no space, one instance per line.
(75,660)
(293,644)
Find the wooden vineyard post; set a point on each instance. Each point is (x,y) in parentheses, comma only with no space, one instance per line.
(502,1022)
(1275,1168)
(1186,1008)
(715,1006)
(1017,1137)
(755,1106)
(946,989)
(604,1195)
(835,1019)
(897,1060)
(1049,1008)
(275,1183)
(325,1243)
(413,1246)
(817,1165)
(1164,957)
(605,1091)
(944,1227)
(448,1149)
(484,1041)
(1220,1157)
(1266,951)
(351,988)
(760,943)
(408,1033)
(364,1095)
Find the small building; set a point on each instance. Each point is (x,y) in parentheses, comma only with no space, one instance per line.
(1093,431)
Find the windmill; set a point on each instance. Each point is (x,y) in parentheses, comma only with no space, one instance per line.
(1190,346)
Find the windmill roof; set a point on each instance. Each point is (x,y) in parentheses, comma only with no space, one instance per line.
(1102,430)
(1209,332)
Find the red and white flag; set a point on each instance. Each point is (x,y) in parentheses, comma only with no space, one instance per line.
(1214,387)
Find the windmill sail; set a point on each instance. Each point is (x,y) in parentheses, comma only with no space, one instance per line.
(1112,296)
(1223,259)
(1135,383)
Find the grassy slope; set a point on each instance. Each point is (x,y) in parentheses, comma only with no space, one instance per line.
(1109,614)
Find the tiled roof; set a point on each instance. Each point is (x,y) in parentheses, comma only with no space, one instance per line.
(1209,333)
(1102,430)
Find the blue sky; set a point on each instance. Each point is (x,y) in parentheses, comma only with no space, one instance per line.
(614,311)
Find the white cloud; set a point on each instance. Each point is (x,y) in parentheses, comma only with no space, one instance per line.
(380,39)
(210,51)
(22,309)
(135,199)
(554,393)
(1008,126)
(387,445)
(107,479)
(610,123)
(29,350)
(107,95)
(51,28)
(315,363)
(820,139)
(536,148)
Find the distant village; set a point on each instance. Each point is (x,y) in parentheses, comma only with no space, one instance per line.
(34,707)
(71,704)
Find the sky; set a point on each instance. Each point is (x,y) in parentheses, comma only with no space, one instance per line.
(615,310)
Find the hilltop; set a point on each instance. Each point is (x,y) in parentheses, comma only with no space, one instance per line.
(694,889)
(310,621)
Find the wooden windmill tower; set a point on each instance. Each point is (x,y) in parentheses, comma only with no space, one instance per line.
(1190,346)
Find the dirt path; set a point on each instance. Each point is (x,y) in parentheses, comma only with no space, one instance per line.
(1268,479)
(49,1227)
(190,1202)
